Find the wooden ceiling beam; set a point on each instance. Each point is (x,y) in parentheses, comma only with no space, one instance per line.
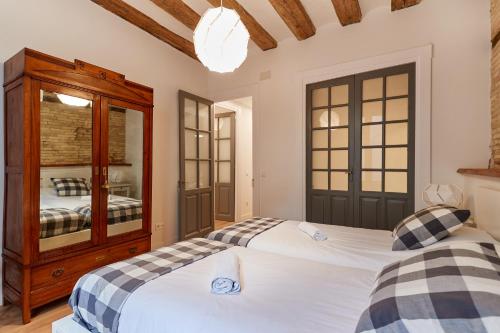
(140,20)
(182,12)
(258,34)
(401,4)
(295,16)
(348,11)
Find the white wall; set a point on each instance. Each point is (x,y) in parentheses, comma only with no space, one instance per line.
(80,29)
(459,31)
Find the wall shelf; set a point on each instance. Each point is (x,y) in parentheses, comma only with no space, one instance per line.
(480,172)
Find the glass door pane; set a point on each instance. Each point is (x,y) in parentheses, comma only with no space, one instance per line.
(223,142)
(330,133)
(197,155)
(385,126)
(66,150)
(125,170)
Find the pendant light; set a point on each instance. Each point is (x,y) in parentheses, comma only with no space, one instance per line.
(221,40)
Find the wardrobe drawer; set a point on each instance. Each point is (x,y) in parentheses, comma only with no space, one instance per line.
(79,265)
(60,270)
(52,292)
(124,251)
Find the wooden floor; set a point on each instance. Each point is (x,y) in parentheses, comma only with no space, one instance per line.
(221,224)
(10,316)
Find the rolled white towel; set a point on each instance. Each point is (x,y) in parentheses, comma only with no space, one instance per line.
(312,231)
(226,280)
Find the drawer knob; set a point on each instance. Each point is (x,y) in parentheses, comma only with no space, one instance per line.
(57,273)
(132,250)
(100,258)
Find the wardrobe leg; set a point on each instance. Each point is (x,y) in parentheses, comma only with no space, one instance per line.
(26,314)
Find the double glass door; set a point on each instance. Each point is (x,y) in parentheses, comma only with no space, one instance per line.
(91,168)
(360,148)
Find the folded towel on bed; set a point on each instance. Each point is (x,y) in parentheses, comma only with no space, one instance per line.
(227,274)
(312,231)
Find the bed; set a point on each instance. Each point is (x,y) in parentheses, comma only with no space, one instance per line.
(66,220)
(346,246)
(270,301)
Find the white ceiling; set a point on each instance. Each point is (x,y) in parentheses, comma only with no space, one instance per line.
(321,12)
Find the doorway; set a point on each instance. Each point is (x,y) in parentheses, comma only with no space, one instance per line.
(360,148)
(233,174)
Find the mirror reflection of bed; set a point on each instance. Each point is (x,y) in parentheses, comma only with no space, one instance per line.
(66,171)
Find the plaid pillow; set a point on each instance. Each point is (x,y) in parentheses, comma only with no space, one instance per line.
(455,288)
(66,187)
(427,226)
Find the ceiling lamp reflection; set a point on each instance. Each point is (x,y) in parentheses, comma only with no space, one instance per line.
(73,101)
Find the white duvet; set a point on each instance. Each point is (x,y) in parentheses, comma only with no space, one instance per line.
(279,294)
(346,246)
(50,199)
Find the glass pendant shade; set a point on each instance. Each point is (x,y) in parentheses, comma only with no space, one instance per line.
(221,40)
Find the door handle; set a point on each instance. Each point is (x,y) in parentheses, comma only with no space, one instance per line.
(105,175)
(349,173)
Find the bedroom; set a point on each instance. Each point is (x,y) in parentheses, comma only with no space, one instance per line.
(451,95)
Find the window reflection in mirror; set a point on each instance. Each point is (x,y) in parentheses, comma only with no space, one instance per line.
(125,170)
(65,170)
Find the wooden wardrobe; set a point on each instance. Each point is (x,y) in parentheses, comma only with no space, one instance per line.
(83,125)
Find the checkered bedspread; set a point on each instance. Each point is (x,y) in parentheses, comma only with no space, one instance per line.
(99,296)
(119,210)
(242,233)
(58,221)
(455,288)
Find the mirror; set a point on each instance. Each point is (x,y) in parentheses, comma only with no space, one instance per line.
(125,172)
(65,170)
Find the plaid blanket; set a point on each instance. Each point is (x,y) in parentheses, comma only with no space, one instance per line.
(455,288)
(119,210)
(99,296)
(58,221)
(242,233)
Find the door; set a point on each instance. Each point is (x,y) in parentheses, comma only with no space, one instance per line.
(196,204)
(330,153)
(66,152)
(225,134)
(125,179)
(360,148)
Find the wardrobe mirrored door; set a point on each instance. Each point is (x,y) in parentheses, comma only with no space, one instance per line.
(124,174)
(66,159)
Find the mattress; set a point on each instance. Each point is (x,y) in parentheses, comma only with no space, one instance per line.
(346,246)
(279,294)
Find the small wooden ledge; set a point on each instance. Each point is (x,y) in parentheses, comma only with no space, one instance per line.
(480,172)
